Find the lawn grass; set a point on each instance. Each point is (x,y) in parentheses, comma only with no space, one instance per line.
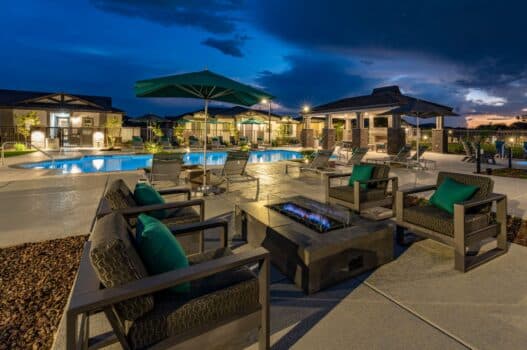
(11,153)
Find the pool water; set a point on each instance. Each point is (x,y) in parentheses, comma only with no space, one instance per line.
(109,163)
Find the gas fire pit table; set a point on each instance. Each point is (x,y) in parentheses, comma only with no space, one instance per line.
(315,244)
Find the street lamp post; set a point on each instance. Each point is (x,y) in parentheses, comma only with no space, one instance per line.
(269,117)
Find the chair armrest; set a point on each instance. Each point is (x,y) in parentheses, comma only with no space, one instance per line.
(175,190)
(373,181)
(419,189)
(337,175)
(96,300)
(203,225)
(493,197)
(135,211)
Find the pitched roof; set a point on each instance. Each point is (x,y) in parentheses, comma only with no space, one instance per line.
(223,112)
(386,96)
(50,100)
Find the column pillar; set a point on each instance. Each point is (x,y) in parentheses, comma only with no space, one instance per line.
(307,138)
(347,130)
(359,135)
(396,137)
(328,133)
(440,136)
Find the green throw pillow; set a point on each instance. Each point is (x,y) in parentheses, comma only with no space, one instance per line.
(361,172)
(451,192)
(144,194)
(160,250)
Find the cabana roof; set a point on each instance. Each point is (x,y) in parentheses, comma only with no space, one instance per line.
(382,97)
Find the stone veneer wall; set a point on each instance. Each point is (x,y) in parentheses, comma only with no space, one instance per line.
(328,138)
(439,141)
(395,141)
(307,138)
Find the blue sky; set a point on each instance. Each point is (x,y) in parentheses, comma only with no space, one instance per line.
(465,53)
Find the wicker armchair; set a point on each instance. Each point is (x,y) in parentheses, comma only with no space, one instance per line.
(471,223)
(357,198)
(226,298)
(119,198)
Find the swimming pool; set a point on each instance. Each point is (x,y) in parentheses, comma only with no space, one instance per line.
(121,162)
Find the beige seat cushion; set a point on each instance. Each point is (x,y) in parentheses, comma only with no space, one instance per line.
(211,300)
(440,221)
(345,193)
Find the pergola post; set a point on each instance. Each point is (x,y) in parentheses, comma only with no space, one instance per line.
(307,134)
(359,135)
(328,133)
(396,137)
(440,136)
(347,130)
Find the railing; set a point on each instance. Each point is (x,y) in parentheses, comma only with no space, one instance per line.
(2,158)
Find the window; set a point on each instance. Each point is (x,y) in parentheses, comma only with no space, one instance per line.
(366,123)
(380,122)
(87,122)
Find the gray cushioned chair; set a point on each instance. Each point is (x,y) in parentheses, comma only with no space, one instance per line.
(226,297)
(357,198)
(118,197)
(470,225)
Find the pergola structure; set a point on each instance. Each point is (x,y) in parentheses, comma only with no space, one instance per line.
(367,121)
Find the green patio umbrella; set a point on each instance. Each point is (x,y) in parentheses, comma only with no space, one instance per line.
(421,109)
(205,85)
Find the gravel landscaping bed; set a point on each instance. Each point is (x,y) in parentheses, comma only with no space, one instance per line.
(506,172)
(35,281)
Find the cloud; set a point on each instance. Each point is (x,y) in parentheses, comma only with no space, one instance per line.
(485,39)
(213,16)
(314,80)
(231,47)
(481,97)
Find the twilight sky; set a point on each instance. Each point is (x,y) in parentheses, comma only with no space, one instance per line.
(469,54)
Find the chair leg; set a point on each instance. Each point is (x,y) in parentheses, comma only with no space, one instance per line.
(399,235)
(460,254)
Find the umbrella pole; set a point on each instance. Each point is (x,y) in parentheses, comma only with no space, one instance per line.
(418,137)
(205,149)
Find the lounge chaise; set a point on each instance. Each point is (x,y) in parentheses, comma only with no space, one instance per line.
(319,164)
(470,223)
(402,157)
(233,171)
(356,157)
(485,156)
(226,300)
(470,155)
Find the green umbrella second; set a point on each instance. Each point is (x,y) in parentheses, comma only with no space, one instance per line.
(205,85)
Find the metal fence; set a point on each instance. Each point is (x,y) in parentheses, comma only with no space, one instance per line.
(50,137)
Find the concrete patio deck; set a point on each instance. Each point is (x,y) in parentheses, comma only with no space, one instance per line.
(416,302)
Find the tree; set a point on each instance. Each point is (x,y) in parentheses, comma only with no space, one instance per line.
(113,126)
(156,131)
(179,130)
(24,123)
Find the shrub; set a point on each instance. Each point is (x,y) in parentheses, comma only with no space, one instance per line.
(152,147)
(455,148)
(19,147)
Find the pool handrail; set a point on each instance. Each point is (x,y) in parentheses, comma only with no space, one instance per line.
(2,157)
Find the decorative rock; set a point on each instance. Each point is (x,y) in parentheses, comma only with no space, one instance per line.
(35,280)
